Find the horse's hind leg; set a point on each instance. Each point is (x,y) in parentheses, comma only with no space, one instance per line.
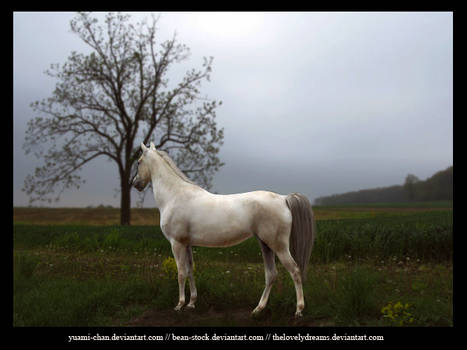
(291,266)
(270,275)
(189,267)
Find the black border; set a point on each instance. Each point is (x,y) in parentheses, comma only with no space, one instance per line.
(402,337)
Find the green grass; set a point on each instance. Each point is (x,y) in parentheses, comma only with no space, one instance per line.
(426,235)
(426,204)
(81,289)
(70,302)
(80,275)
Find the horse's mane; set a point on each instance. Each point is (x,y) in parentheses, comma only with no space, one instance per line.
(164,155)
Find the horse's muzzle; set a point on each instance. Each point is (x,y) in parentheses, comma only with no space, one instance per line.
(138,184)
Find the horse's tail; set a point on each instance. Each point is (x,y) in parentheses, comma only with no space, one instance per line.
(303,230)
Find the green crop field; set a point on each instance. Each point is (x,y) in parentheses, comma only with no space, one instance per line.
(387,265)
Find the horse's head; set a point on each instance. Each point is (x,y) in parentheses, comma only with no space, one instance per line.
(143,175)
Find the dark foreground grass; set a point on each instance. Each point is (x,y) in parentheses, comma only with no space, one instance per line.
(362,271)
(69,302)
(63,288)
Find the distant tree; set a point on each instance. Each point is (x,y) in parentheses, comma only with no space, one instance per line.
(410,186)
(109,101)
(437,187)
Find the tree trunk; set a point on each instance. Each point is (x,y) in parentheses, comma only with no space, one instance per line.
(125,203)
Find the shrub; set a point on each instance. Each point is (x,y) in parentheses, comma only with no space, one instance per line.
(169,267)
(398,314)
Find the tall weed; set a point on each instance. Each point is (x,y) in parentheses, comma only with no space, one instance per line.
(24,265)
(355,296)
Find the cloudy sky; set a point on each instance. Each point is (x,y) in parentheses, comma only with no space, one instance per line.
(313,102)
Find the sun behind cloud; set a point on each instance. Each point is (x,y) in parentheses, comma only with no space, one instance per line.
(229,24)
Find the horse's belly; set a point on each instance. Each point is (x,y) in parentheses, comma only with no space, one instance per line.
(219,230)
(218,240)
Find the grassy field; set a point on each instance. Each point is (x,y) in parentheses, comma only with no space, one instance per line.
(82,216)
(148,216)
(380,266)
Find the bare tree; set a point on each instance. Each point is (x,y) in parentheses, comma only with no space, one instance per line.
(107,102)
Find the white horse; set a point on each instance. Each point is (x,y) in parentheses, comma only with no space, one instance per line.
(191,216)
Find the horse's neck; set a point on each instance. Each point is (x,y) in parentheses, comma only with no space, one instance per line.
(166,185)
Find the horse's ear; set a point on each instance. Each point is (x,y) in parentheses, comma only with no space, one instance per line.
(152,146)
(143,147)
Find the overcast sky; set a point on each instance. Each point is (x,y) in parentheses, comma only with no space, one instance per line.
(313,102)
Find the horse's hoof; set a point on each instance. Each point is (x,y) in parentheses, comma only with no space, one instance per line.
(259,313)
(298,314)
(178,307)
(190,306)
(256,311)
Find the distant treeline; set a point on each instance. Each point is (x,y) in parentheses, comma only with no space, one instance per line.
(437,187)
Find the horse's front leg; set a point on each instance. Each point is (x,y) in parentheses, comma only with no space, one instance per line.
(184,259)
(179,252)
